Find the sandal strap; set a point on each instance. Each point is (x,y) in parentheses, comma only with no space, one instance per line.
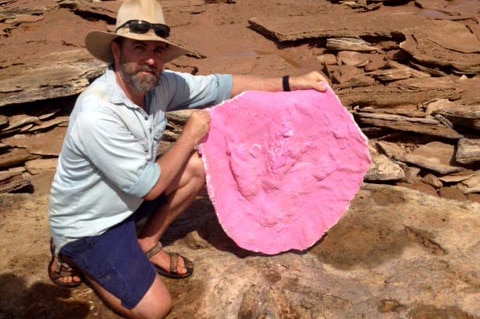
(173,262)
(155,249)
(59,269)
(62,266)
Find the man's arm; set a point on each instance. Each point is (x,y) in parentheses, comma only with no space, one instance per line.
(312,80)
(174,161)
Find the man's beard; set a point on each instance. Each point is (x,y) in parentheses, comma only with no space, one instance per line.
(140,83)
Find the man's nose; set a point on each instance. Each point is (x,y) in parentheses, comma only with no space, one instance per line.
(150,60)
(149,56)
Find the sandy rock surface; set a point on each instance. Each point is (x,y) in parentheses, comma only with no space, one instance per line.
(397,253)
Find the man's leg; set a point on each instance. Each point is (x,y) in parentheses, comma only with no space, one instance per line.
(155,304)
(120,272)
(180,195)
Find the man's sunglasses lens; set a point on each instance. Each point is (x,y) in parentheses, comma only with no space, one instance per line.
(161,30)
(139,26)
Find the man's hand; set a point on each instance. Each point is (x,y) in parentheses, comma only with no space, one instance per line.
(197,126)
(312,80)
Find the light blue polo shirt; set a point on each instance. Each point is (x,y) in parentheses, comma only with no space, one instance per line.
(107,163)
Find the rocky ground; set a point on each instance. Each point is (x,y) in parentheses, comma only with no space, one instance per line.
(406,70)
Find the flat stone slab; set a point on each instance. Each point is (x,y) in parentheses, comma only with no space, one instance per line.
(383,169)
(408,124)
(14,157)
(410,91)
(39,165)
(46,144)
(335,25)
(59,74)
(13,180)
(467,116)
(435,156)
(450,10)
(471,184)
(451,45)
(468,151)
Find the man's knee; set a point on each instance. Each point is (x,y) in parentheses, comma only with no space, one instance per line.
(163,308)
(156,303)
(195,166)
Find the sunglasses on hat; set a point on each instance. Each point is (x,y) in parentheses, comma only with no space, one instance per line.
(140,26)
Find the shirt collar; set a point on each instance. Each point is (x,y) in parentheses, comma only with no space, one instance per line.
(117,96)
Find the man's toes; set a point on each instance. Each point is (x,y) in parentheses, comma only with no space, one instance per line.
(181,269)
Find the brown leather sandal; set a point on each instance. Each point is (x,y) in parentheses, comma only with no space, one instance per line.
(58,270)
(172,273)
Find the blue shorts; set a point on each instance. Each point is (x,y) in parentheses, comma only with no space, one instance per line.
(114,259)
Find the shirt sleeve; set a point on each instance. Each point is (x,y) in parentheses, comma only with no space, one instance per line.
(189,91)
(117,155)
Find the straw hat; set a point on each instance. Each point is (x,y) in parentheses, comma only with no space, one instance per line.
(98,43)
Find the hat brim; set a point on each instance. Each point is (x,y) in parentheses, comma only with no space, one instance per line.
(98,43)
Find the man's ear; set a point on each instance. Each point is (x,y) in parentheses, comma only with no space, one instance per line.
(115,47)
